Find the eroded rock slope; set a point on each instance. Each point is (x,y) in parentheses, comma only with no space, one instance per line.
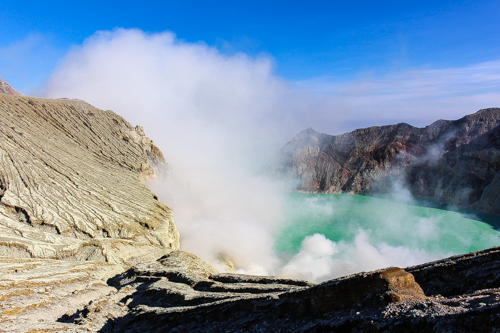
(86,247)
(450,162)
(70,184)
(457,294)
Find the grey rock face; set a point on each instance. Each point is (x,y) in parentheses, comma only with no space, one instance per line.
(449,162)
(70,184)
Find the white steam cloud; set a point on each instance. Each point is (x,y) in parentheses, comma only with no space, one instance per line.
(372,233)
(218,119)
(321,259)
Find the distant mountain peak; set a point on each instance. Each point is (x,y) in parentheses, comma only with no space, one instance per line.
(5,88)
(307,133)
(438,162)
(309,130)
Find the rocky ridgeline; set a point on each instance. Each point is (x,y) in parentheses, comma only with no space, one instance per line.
(70,184)
(86,247)
(450,162)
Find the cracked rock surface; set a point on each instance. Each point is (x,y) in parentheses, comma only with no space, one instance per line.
(35,293)
(70,185)
(161,296)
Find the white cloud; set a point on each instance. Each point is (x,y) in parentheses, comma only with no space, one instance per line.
(418,96)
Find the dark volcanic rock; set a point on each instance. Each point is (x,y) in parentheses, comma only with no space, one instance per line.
(450,162)
(462,294)
(458,275)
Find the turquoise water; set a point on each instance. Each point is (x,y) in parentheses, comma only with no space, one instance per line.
(385,224)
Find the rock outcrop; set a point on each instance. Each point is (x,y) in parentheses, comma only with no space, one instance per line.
(70,184)
(180,293)
(450,162)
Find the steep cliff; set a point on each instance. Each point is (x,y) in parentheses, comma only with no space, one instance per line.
(450,162)
(70,184)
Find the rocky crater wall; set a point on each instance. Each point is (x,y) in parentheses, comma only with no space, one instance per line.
(70,184)
(86,247)
(450,162)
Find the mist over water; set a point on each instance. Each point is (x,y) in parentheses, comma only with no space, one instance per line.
(331,235)
(218,119)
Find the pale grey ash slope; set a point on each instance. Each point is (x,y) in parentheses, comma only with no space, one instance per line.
(70,180)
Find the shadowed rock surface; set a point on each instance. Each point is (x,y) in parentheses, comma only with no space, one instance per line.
(450,162)
(457,294)
(70,184)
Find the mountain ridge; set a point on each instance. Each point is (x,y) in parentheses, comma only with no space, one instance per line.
(367,160)
(5,88)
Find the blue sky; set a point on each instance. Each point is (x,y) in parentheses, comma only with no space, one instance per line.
(305,38)
(420,52)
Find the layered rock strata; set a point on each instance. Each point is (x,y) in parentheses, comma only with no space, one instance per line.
(35,293)
(450,162)
(70,184)
(180,293)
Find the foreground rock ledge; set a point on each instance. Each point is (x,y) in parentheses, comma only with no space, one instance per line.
(181,293)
